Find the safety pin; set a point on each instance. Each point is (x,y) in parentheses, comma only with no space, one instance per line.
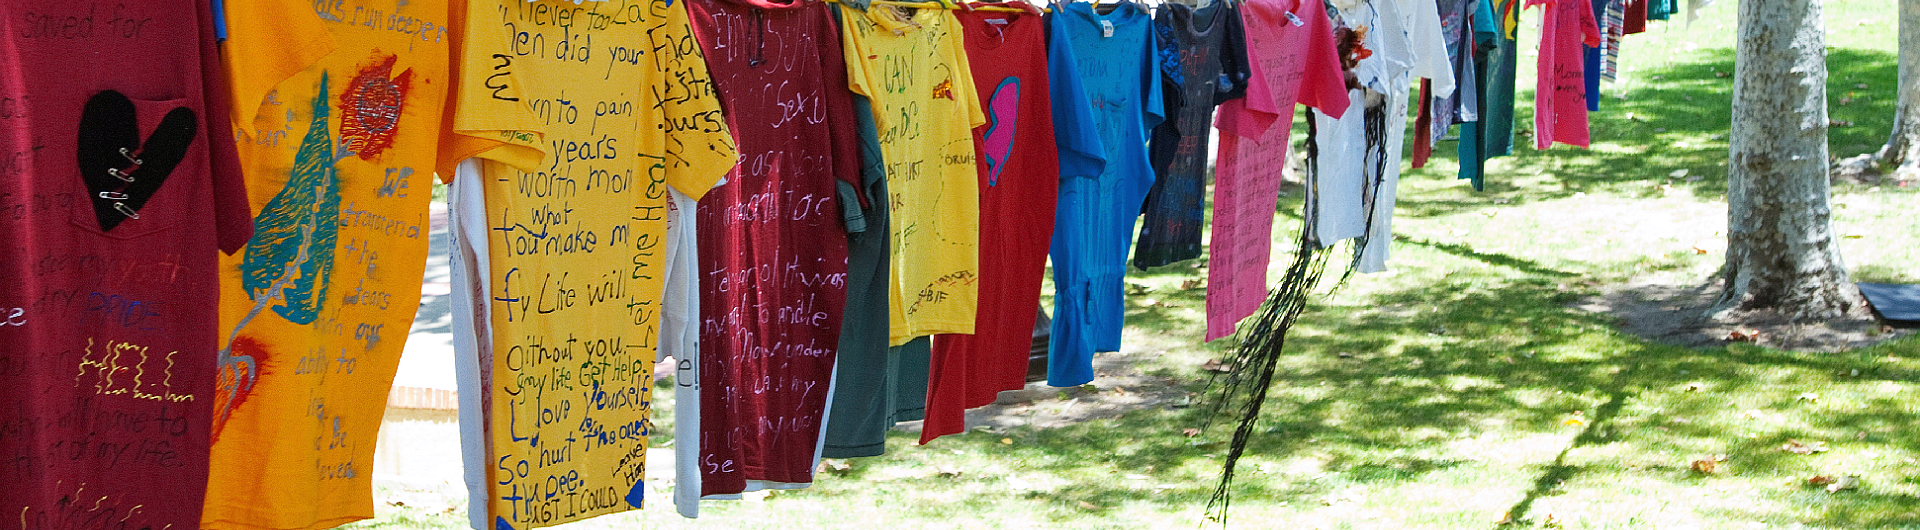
(125,210)
(124,152)
(122,176)
(113,196)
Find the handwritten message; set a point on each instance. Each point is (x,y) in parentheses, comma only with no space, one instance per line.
(620,97)
(925,107)
(106,298)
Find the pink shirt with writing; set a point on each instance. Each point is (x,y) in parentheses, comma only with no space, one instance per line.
(1290,43)
(1560,105)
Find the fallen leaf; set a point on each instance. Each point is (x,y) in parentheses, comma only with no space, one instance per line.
(1720,74)
(1839,123)
(1710,465)
(1216,366)
(1678,173)
(1190,284)
(1190,432)
(1084,505)
(1803,448)
(1822,480)
(1120,390)
(1845,100)
(1743,335)
(1006,441)
(1550,522)
(1505,519)
(1844,483)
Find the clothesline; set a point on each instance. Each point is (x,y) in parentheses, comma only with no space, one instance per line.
(833,220)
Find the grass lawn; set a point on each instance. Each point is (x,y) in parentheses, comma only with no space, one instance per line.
(1462,387)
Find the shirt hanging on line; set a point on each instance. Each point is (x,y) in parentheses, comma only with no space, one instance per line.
(1019,178)
(913,66)
(122,184)
(576,253)
(774,257)
(1203,58)
(1094,218)
(1290,63)
(341,155)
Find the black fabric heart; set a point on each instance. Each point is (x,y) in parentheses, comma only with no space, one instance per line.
(122,172)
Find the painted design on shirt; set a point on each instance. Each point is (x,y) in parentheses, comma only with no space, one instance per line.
(1003,116)
(291,255)
(120,169)
(371,106)
(1169,47)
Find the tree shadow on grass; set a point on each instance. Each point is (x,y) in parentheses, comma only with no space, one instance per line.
(1677,117)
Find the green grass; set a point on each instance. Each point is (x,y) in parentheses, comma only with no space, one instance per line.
(1460,386)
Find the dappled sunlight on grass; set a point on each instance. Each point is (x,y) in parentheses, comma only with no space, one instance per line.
(1464,387)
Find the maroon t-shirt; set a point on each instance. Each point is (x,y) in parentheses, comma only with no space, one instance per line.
(1019,182)
(773,250)
(118,185)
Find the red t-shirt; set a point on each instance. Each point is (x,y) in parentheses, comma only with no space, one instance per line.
(1019,181)
(108,321)
(773,251)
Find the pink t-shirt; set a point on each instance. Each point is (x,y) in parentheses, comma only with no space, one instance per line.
(1294,61)
(1560,105)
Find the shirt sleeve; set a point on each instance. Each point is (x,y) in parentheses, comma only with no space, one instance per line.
(1252,115)
(964,91)
(1081,153)
(697,156)
(1155,109)
(852,25)
(297,37)
(1234,70)
(1589,25)
(486,115)
(1430,48)
(232,215)
(1324,86)
(844,131)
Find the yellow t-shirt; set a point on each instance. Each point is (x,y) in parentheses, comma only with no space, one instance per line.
(338,113)
(914,68)
(618,93)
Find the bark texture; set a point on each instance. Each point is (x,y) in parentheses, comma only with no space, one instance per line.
(1781,253)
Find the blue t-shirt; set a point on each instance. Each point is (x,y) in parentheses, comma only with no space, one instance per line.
(1113,55)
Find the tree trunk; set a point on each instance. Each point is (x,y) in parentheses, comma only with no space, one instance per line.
(1900,157)
(1902,152)
(1780,247)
